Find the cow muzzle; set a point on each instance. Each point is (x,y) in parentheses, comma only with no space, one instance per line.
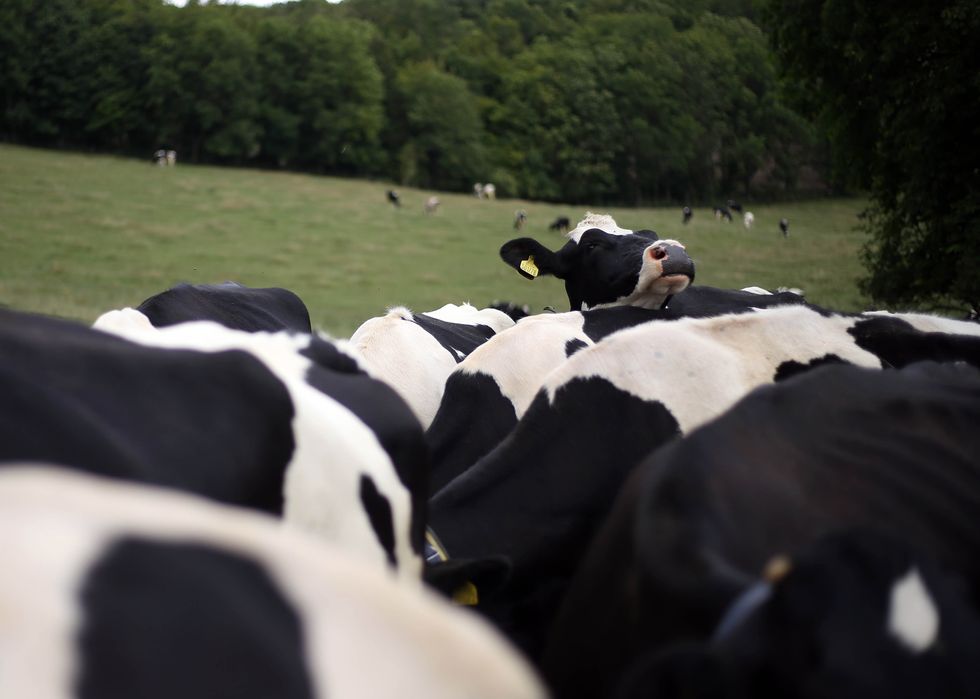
(674,264)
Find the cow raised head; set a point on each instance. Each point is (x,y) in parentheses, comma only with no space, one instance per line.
(605,265)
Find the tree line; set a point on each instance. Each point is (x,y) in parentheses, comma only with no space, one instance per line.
(607,101)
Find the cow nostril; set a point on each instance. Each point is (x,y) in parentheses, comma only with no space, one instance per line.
(658,253)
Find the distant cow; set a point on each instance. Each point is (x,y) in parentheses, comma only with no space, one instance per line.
(393,197)
(695,526)
(748,219)
(431,204)
(560,225)
(415,352)
(489,191)
(171,158)
(520,218)
(722,213)
(160,158)
(230,304)
(686,214)
(784,226)
(121,590)
(603,264)
(284,423)
(734,206)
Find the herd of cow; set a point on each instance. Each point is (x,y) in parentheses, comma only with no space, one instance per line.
(670,490)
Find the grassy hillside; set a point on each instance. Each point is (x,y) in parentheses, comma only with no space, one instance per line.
(83,234)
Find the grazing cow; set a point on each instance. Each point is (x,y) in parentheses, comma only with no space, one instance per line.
(394,198)
(784,226)
(415,352)
(603,264)
(520,218)
(160,158)
(431,205)
(537,497)
(171,158)
(283,423)
(230,304)
(734,206)
(686,214)
(489,191)
(492,388)
(722,212)
(694,527)
(560,225)
(117,590)
(748,219)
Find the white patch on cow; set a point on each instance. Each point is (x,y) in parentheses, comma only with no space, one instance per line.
(54,524)
(699,367)
(410,360)
(519,358)
(912,615)
(927,323)
(758,290)
(333,447)
(122,321)
(601,221)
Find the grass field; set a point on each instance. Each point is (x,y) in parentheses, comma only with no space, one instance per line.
(83,234)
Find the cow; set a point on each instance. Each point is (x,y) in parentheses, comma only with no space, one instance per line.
(171,158)
(734,206)
(230,304)
(283,423)
(160,158)
(393,198)
(857,613)
(514,310)
(701,519)
(560,225)
(415,352)
(749,219)
(492,388)
(722,213)
(784,226)
(489,191)
(686,214)
(113,589)
(538,496)
(520,218)
(603,264)
(431,205)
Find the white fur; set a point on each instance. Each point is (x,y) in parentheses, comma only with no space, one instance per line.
(410,360)
(333,447)
(123,321)
(601,221)
(748,219)
(519,358)
(365,636)
(758,290)
(912,615)
(700,367)
(651,289)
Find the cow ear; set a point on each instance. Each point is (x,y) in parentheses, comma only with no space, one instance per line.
(473,578)
(531,258)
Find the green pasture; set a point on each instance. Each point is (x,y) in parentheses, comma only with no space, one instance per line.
(81,234)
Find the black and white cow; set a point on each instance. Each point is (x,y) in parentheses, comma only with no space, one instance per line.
(230,304)
(856,614)
(415,352)
(603,264)
(539,495)
(838,448)
(283,423)
(493,387)
(114,590)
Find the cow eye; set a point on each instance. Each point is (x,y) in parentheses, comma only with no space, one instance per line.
(591,245)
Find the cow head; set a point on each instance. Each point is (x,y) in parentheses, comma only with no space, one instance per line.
(604,265)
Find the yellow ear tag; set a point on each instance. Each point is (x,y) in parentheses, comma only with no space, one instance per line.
(529,266)
(466,595)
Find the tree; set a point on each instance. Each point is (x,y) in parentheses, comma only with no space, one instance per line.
(897,87)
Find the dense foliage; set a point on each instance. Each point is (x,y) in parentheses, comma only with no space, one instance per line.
(572,100)
(897,85)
